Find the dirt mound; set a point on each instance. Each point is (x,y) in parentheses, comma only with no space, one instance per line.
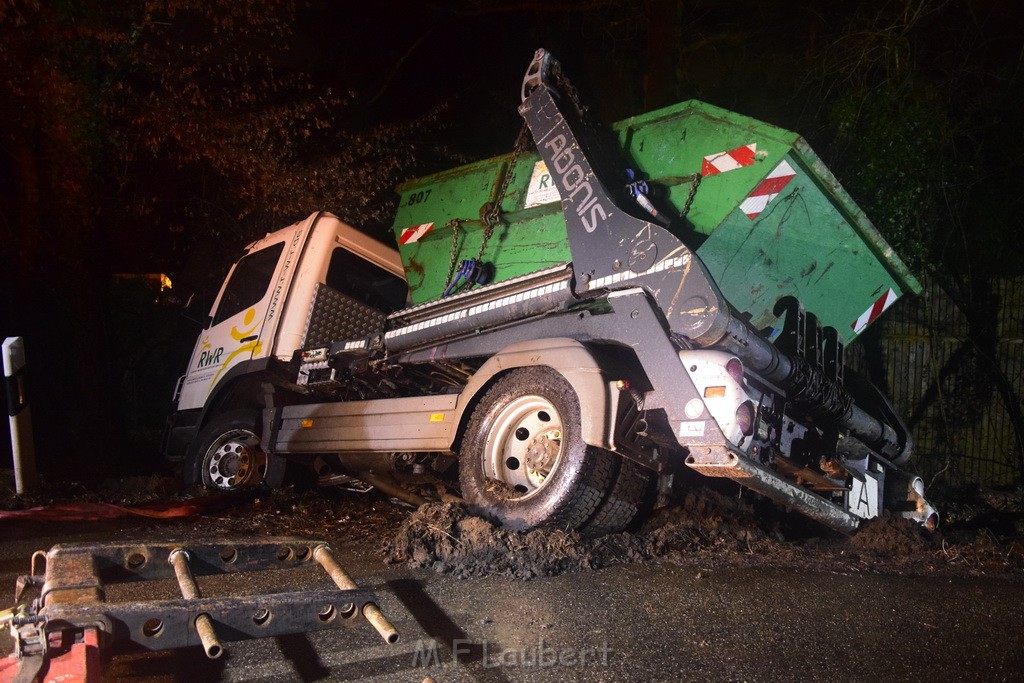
(705,528)
(892,535)
(446,538)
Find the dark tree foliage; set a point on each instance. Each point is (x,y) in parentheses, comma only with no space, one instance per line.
(226,92)
(922,102)
(919,96)
(160,136)
(50,177)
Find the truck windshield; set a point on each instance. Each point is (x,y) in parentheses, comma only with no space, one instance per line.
(365,282)
(249,282)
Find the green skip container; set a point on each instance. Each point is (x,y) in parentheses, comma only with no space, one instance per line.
(769,218)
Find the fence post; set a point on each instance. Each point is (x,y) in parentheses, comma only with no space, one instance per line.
(20,416)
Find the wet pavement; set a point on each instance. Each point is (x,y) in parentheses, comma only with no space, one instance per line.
(652,621)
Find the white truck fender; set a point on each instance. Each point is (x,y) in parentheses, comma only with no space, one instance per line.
(598,396)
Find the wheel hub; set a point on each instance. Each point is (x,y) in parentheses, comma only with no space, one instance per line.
(543,451)
(236,463)
(524,444)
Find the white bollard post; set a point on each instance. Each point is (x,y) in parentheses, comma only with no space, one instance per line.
(20,416)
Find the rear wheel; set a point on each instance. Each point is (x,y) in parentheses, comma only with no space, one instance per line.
(226,456)
(523,461)
(626,503)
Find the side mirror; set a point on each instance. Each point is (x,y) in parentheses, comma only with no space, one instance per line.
(190,311)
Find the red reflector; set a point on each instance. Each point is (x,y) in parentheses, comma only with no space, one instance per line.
(745,418)
(735,369)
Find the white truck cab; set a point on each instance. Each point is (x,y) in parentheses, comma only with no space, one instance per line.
(264,312)
(263,308)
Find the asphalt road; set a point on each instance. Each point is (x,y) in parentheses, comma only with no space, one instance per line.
(643,622)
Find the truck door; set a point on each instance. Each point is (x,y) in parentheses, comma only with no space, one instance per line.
(245,314)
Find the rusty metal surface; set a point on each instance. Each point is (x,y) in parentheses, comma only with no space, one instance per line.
(73,579)
(714,462)
(122,562)
(323,555)
(168,624)
(73,600)
(190,591)
(804,475)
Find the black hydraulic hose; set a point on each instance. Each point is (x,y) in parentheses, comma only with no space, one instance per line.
(807,387)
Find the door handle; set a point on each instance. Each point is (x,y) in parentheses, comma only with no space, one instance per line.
(248,339)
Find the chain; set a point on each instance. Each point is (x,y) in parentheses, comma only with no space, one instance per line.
(604,151)
(695,180)
(566,86)
(490,214)
(454,225)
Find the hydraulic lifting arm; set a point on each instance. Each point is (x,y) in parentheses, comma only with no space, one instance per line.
(612,249)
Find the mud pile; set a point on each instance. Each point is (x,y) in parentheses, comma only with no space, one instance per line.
(446,538)
(891,535)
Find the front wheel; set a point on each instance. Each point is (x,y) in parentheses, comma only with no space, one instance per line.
(523,461)
(226,456)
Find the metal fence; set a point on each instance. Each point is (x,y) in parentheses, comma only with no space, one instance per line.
(960,396)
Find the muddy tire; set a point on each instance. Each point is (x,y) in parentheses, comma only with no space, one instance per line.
(226,456)
(523,462)
(626,503)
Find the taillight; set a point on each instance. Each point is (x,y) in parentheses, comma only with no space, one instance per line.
(745,418)
(735,369)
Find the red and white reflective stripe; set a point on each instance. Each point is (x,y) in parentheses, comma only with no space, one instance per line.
(729,161)
(874,310)
(413,234)
(768,190)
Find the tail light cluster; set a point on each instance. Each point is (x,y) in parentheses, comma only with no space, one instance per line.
(745,412)
(745,418)
(735,369)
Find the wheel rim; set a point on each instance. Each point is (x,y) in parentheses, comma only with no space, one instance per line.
(524,447)
(235,461)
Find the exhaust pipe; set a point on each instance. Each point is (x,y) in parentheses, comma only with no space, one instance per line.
(904,495)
